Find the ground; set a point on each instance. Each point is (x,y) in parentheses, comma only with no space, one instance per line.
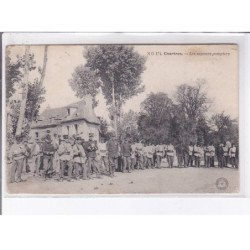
(149,181)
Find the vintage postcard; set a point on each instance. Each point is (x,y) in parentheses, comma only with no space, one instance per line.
(122,119)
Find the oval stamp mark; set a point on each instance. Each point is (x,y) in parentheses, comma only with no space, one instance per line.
(222,183)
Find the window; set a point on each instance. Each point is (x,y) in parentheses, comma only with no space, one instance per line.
(76,128)
(68,111)
(36,134)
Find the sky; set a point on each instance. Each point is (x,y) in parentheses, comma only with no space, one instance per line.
(167,66)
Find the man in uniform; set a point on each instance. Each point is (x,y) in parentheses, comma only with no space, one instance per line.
(126,150)
(232,155)
(79,159)
(207,154)
(113,153)
(197,158)
(36,153)
(56,161)
(91,148)
(48,152)
(180,155)
(17,155)
(212,154)
(102,147)
(139,155)
(170,154)
(225,155)
(190,154)
(219,153)
(133,156)
(65,152)
(159,154)
(150,154)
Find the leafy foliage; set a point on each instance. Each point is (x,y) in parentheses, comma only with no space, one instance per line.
(35,95)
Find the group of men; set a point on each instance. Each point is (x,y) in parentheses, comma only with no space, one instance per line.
(72,158)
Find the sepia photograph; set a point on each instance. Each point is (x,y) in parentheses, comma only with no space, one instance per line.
(121,119)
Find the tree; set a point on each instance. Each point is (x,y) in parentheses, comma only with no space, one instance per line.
(193,104)
(128,126)
(34,96)
(85,82)
(154,122)
(115,69)
(224,129)
(15,71)
(104,133)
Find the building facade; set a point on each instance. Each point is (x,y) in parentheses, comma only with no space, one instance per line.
(75,119)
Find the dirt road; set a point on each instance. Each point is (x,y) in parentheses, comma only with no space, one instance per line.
(154,181)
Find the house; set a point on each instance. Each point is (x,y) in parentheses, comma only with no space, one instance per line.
(76,118)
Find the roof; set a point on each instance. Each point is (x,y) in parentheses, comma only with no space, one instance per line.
(81,110)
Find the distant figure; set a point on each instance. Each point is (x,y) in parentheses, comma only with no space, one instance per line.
(103,152)
(190,155)
(219,155)
(126,150)
(232,155)
(48,152)
(225,156)
(212,154)
(65,153)
(79,160)
(113,153)
(159,154)
(207,154)
(197,156)
(150,154)
(170,154)
(133,156)
(17,155)
(139,155)
(91,148)
(180,155)
(36,153)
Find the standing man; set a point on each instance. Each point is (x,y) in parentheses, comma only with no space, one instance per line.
(219,153)
(91,148)
(139,155)
(79,159)
(170,154)
(197,157)
(113,153)
(126,151)
(36,153)
(133,156)
(212,154)
(232,155)
(26,166)
(190,154)
(207,156)
(102,147)
(159,154)
(225,155)
(56,161)
(65,153)
(48,152)
(17,155)
(150,154)
(180,155)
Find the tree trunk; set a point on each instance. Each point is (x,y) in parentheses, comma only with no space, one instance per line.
(25,92)
(45,59)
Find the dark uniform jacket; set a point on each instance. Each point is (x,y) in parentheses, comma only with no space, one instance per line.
(113,149)
(91,148)
(126,149)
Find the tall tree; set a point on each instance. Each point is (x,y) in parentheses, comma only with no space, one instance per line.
(34,95)
(193,103)
(116,70)
(154,122)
